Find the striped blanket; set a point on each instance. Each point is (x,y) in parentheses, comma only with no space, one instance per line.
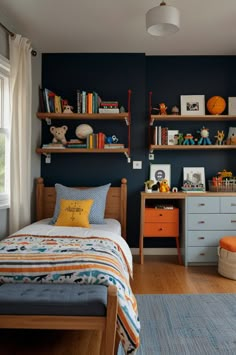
(69,259)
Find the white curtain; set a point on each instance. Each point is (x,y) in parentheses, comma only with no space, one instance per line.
(20,149)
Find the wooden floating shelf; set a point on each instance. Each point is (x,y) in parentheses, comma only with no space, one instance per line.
(83,116)
(191,147)
(192,118)
(80,150)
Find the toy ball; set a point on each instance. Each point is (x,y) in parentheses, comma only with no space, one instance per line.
(83,130)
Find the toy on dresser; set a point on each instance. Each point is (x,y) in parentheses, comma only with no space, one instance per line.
(164,186)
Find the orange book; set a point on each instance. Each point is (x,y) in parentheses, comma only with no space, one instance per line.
(90,102)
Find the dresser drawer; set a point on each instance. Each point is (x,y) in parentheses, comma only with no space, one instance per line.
(202,254)
(161,229)
(161,215)
(211,222)
(203,204)
(207,238)
(228,205)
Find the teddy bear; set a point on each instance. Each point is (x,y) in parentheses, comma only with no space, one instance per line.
(67,109)
(164,186)
(59,134)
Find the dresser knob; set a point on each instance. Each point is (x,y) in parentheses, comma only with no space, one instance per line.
(201,237)
(233,221)
(201,222)
(202,254)
(160,215)
(233,204)
(201,204)
(160,229)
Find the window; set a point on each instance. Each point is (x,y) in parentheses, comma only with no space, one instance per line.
(4,133)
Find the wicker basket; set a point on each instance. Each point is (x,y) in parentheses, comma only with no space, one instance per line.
(223,186)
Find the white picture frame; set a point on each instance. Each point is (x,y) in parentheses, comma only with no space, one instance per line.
(195,175)
(159,172)
(232,105)
(192,105)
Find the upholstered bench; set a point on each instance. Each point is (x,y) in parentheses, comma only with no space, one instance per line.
(61,306)
(227,257)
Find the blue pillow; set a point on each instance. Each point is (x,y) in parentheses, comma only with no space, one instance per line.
(98,194)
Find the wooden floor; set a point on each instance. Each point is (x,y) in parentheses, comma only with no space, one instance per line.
(158,274)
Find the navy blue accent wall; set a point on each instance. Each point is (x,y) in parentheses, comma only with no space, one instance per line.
(111,75)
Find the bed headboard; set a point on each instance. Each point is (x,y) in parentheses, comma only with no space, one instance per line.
(116,203)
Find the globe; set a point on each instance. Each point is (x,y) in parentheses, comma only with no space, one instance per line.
(83,130)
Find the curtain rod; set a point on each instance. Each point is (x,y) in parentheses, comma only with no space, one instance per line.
(12,34)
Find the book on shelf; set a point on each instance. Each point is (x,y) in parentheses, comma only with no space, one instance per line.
(108,110)
(57,104)
(53,146)
(114,146)
(172,138)
(76,145)
(164,207)
(109,104)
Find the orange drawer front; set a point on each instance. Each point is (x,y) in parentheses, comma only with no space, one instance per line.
(161,229)
(161,215)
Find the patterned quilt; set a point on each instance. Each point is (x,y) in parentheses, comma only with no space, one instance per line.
(67,259)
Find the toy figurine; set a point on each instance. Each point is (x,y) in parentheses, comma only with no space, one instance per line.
(162,109)
(204,140)
(188,139)
(219,137)
(180,138)
(175,110)
(164,186)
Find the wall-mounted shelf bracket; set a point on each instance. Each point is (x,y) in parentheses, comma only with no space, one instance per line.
(49,121)
(151,121)
(128,157)
(127,121)
(47,158)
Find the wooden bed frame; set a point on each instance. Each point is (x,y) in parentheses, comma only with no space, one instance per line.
(116,203)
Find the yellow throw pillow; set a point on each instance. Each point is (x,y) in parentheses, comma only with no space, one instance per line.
(74,213)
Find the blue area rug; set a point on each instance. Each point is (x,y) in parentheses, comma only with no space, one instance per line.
(187,324)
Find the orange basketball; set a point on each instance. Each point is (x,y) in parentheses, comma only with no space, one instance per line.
(216,105)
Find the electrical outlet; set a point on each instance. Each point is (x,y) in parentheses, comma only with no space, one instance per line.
(137,164)
(151,156)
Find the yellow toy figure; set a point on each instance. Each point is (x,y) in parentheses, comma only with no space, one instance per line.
(164,186)
(219,137)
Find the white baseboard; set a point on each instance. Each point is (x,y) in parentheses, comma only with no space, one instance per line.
(155,251)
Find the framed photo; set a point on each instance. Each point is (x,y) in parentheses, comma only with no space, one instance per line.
(195,177)
(192,104)
(232,105)
(159,172)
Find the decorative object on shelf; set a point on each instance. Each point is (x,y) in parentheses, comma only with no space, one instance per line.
(194,177)
(162,108)
(188,139)
(172,136)
(192,104)
(174,189)
(216,105)
(162,20)
(59,134)
(148,185)
(159,172)
(122,109)
(188,186)
(164,186)
(231,139)
(83,131)
(67,109)
(180,138)
(232,105)
(204,140)
(111,139)
(220,137)
(175,110)
(156,186)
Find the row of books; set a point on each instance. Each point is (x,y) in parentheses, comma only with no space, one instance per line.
(94,140)
(164,136)
(91,102)
(51,102)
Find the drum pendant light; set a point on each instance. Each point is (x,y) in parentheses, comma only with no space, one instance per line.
(162,20)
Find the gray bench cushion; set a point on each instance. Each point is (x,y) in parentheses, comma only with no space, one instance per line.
(53,299)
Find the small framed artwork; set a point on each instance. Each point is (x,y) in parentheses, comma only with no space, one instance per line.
(232,105)
(192,104)
(195,177)
(159,172)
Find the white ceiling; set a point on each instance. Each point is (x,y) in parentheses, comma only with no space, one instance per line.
(208,27)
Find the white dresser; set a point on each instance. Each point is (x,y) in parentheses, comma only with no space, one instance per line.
(208,219)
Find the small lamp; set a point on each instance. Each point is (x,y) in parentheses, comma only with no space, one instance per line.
(162,20)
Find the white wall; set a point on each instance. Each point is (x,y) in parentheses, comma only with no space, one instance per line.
(36,126)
